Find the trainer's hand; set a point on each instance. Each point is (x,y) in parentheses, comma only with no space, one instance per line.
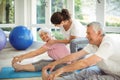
(51,42)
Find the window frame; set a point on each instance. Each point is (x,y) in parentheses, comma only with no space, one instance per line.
(25,10)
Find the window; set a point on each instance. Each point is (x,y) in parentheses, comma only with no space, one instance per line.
(41,11)
(57,5)
(85,11)
(7,12)
(112,13)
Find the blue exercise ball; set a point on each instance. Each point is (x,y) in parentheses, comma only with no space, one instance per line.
(21,37)
(3,39)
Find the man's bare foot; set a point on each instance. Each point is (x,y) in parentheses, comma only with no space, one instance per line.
(17,67)
(44,75)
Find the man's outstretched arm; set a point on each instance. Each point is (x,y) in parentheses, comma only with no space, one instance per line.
(92,60)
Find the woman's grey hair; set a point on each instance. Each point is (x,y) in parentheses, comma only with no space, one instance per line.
(97,27)
(46,30)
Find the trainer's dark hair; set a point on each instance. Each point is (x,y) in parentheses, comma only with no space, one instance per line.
(58,17)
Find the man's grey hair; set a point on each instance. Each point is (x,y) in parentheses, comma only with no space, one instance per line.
(97,27)
(46,30)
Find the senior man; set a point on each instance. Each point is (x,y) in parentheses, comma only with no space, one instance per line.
(104,52)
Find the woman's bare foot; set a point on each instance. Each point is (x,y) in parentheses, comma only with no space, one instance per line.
(17,67)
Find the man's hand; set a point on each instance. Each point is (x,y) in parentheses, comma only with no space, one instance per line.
(49,67)
(55,74)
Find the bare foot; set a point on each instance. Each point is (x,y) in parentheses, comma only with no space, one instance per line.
(44,75)
(17,67)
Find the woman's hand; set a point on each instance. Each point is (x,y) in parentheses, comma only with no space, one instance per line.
(17,59)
